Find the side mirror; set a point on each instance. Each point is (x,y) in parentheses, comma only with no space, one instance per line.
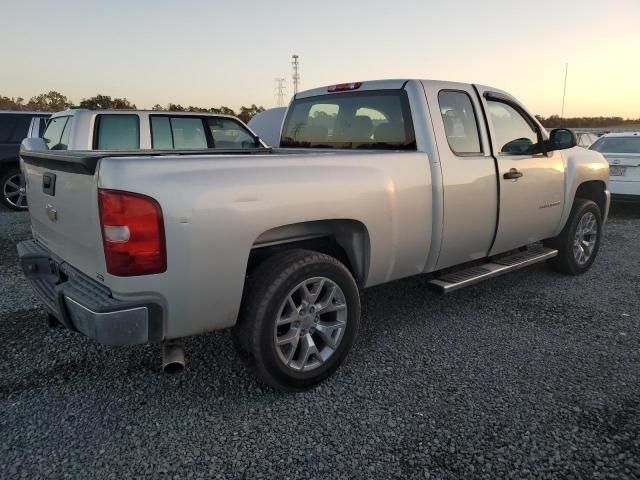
(561,139)
(33,144)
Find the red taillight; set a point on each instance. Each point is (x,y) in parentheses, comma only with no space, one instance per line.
(132,233)
(342,87)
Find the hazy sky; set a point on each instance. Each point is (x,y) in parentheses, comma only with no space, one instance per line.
(211,53)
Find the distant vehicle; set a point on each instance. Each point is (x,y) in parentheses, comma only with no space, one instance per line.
(372,182)
(82,129)
(267,125)
(585,139)
(622,151)
(14,127)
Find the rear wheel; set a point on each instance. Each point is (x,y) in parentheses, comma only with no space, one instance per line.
(300,317)
(13,189)
(579,241)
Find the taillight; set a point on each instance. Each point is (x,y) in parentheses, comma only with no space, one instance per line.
(132,233)
(342,87)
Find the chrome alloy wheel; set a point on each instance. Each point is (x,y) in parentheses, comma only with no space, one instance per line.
(311,323)
(585,238)
(15,192)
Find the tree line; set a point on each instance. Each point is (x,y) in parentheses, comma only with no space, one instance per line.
(55,102)
(556,121)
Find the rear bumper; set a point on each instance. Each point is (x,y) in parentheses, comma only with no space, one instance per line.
(624,190)
(84,305)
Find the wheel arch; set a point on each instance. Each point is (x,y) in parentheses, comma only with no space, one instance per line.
(345,239)
(596,191)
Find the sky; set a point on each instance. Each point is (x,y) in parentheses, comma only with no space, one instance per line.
(212,53)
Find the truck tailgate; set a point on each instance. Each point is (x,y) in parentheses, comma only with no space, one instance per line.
(63,205)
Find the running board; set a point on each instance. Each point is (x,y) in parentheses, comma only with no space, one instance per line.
(463,278)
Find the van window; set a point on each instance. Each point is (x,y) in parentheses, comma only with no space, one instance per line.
(52,136)
(228,133)
(179,132)
(377,119)
(14,127)
(459,121)
(117,132)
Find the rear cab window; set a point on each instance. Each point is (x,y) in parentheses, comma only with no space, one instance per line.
(617,145)
(56,136)
(371,119)
(116,132)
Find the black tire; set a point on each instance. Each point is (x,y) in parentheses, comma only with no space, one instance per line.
(565,261)
(266,290)
(7,188)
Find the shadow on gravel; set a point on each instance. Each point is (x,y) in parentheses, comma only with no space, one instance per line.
(625,210)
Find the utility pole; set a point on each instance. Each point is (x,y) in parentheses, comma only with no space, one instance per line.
(280,89)
(296,74)
(564,92)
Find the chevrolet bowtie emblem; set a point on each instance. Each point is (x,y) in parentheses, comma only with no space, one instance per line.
(52,213)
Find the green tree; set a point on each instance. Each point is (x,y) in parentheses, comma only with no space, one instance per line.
(157,107)
(49,102)
(175,107)
(223,110)
(11,103)
(247,113)
(105,102)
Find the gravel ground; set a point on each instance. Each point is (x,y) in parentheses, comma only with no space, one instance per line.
(531,375)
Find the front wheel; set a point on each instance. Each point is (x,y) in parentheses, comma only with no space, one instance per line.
(579,241)
(299,319)
(13,190)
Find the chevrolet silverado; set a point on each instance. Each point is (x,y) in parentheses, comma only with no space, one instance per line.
(372,182)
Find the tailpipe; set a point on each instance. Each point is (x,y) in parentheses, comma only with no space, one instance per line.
(172,358)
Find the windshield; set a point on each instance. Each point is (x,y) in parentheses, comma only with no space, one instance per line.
(617,145)
(363,120)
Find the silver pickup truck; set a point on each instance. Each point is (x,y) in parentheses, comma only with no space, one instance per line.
(372,182)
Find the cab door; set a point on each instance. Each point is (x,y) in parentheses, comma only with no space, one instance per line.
(531,181)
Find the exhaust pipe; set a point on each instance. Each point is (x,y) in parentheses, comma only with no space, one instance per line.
(172,357)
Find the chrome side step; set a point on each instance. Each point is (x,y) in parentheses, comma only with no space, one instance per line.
(463,278)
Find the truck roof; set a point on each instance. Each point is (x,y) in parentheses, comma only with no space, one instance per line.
(392,84)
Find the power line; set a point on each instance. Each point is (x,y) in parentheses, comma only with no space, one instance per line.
(296,74)
(280,91)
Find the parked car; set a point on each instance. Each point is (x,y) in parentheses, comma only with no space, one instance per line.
(14,127)
(82,129)
(375,181)
(585,139)
(267,125)
(622,151)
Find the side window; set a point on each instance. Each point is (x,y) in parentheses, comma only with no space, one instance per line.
(117,132)
(161,137)
(460,124)
(181,133)
(53,134)
(21,129)
(64,140)
(513,133)
(228,133)
(7,124)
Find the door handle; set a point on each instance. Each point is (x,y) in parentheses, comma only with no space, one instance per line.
(512,174)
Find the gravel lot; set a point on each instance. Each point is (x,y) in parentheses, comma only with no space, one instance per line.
(531,375)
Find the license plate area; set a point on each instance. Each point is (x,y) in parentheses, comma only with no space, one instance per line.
(43,268)
(617,171)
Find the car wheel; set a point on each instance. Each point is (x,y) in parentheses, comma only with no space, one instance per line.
(13,186)
(579,241)
(299,319)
